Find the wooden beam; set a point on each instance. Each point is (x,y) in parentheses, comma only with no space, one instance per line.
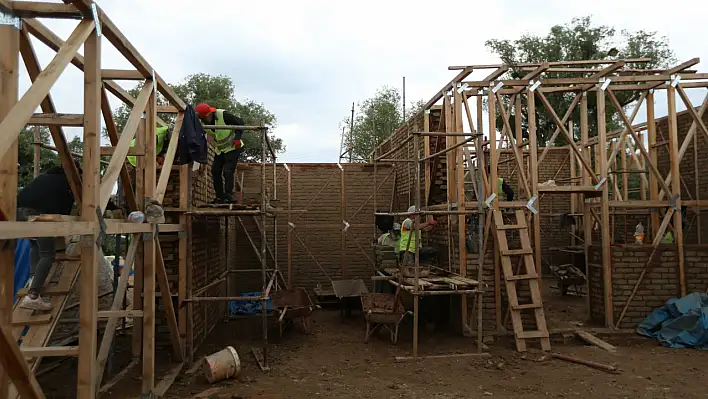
(169,159)
(34,70)
(12,125)
(36,9)
(676,181)
(53,351)
(12,230)
(56,120)
(128,191)
(112,324)
(170,315)
(88,278)
(121,74)
(14,364)
(123,45)
(605,214)
(9,91)
(110,176)
(110,150)
(54,42)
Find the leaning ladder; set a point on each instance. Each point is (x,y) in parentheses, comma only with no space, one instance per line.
(528,274)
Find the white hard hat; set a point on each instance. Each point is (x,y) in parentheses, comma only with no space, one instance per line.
(412,209)
(396,226)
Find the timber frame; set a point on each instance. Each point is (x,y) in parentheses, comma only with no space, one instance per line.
(593,189)
(92,191)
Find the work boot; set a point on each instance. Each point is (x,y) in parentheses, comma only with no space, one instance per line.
(35,304)
(216,201)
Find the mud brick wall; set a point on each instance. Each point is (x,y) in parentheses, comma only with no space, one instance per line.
(316,189)
(405,171)
(687,171)
(660,283)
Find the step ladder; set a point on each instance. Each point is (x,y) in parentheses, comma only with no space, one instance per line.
(527,274)
(33,329)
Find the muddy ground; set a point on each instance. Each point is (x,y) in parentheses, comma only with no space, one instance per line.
(334,362)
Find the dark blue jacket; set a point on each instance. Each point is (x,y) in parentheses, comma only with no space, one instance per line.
(192,143)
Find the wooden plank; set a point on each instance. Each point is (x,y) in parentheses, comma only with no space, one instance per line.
(112,131)
(149,253)
(168,380)
(109,314)
(676,181)
(110,150)
(47,105)
(36,9)
(110,176)
(22,111)
(112,324)
(170,316)
(34,230)
(591,339)
(169,159)
(54,119)
(121,74)
(14,364)
(605,214)
(9,89)
(50,351)
(32,320)
(88,329)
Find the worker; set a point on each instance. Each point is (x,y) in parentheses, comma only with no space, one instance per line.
(48,193)
(502,187)
(406,241)
(228,149)
(162,140)
(390,239)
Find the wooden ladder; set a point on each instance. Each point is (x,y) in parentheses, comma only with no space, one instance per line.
(33,329)
(528,274)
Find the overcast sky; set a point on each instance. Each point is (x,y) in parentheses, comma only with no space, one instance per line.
(307,61)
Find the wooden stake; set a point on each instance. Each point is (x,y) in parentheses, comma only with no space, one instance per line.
(89,206)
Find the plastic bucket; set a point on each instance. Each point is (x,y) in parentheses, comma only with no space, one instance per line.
(222,365)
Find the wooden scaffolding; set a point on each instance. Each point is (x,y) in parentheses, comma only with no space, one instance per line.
(593,189)
(24,335)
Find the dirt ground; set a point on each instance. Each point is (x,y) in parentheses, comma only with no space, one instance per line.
(334,362)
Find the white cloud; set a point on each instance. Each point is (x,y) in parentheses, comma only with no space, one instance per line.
(307,61)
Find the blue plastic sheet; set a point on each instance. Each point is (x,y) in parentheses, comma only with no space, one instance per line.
(680,323)
(22,264)
(249,307)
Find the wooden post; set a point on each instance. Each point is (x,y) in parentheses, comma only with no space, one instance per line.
(89,207)
(587,216)
(9,91)
(605,217)
(183,253)
(137,334)
(493,189)
(37,147)
(149,251)
(676,183)
(573,197)
(290,219)
(343,232)
(461,225)
(533,166)
(653,183)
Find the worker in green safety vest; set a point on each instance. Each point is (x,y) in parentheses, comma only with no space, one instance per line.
(502,187)
(406,240)
(228,147)
(162,141)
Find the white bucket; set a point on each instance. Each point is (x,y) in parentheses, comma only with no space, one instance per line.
(222,365)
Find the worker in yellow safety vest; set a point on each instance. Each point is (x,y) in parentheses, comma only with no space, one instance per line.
(406,240)
(502,187)
(228,147)
(161,142)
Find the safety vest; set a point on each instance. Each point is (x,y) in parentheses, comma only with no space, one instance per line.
(403,240)
(668,238)
(160,134)
(224,137)
(500,183)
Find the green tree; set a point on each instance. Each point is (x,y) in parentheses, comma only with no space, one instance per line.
(376,118)
(217,91)
(579,40)
(47,158)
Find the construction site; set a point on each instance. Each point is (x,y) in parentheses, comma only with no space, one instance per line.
(546,292)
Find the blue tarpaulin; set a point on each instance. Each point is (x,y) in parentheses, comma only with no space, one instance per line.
(22,264)
(249,307)
(680,323)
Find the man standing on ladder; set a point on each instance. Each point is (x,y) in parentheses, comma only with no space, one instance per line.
(228,149)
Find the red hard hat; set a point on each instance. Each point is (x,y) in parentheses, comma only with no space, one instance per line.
(204,109)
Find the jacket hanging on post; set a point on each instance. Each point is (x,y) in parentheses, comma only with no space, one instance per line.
(192,143)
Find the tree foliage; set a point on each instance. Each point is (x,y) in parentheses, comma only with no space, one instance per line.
(376,118)
(218,91)
(47,158)
(580,40)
